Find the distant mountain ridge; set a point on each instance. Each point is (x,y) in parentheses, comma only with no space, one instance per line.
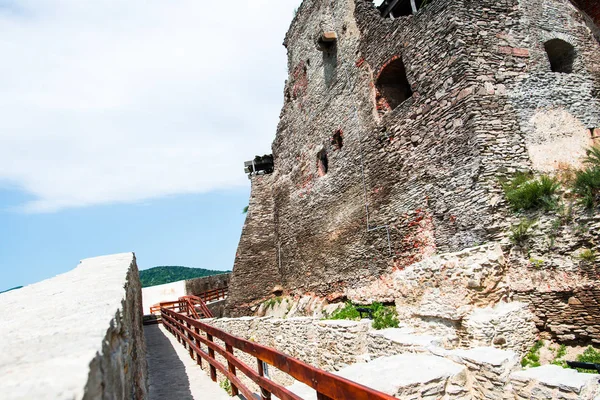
(167,274)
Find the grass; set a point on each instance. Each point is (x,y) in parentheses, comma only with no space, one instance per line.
(532,358)
(587,255)
(383,316)
(587,186)
(272,301)
(536,263)
(526,192)
(565,214)
(520,233)
(560,353)
(587,181)
(590,355)
(226,386)
(593,156)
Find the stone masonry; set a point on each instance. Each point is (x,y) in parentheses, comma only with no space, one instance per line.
(390,150)
(402,363)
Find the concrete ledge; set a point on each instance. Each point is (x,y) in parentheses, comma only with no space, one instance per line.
(404,376)
(76,335)
(549,378)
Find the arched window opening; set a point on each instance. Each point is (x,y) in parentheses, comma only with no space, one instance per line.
(561,55)
(400,8)
(337,140)
(393,85)
(322,162)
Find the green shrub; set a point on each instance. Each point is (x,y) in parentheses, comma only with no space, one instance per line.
(520,233)
(587,186)
(532,358)
(525,192)
(347,312)
(561,352)
(245,210)
(587,181)
(272,301)
(590,355)
(587,255)
(383,316)
(593,156)
(226,386)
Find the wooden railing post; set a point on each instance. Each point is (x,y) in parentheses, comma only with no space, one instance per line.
(198,357)
(326,385)
(189,336)
(321,396)
(211,354)
(231,368)
(264,394)
(182,333)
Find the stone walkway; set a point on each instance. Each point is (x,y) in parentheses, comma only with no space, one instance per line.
(173,374)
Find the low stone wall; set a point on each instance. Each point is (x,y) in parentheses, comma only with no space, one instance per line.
(554,382)
(217,308)
(405,364)
(506,326)
(78,335)
(327,344)
(569,315)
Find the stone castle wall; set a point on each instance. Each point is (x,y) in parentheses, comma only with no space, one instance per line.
(423,178)
(257,250)
(198,286)
(78,335)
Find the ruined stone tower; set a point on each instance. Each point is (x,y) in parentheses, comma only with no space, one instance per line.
(398,123)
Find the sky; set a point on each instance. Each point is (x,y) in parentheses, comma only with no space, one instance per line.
(124,125)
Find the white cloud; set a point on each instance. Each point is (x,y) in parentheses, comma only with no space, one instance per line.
(122,100)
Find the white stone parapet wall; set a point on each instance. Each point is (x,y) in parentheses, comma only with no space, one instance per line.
(76,336)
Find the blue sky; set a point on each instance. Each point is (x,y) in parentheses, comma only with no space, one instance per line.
(192,230)
(124,125)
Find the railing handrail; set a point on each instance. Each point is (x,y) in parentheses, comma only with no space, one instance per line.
(193,301)
(209,295)
(327,385)
(214,294)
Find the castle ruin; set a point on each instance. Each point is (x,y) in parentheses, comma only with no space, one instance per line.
(400,122)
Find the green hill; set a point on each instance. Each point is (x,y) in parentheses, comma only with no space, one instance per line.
(160,275)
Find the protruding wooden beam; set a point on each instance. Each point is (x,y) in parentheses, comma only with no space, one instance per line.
(329,36)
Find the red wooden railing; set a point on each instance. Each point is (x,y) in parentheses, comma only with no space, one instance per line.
(215,294)
(210,295)
(193,333)
(190,305)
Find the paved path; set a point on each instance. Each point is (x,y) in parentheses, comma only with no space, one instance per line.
(173,373)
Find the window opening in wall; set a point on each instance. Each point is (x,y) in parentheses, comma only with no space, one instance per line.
(337,140)
(392,83)
(561,55)
(322,162)
(399,8)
